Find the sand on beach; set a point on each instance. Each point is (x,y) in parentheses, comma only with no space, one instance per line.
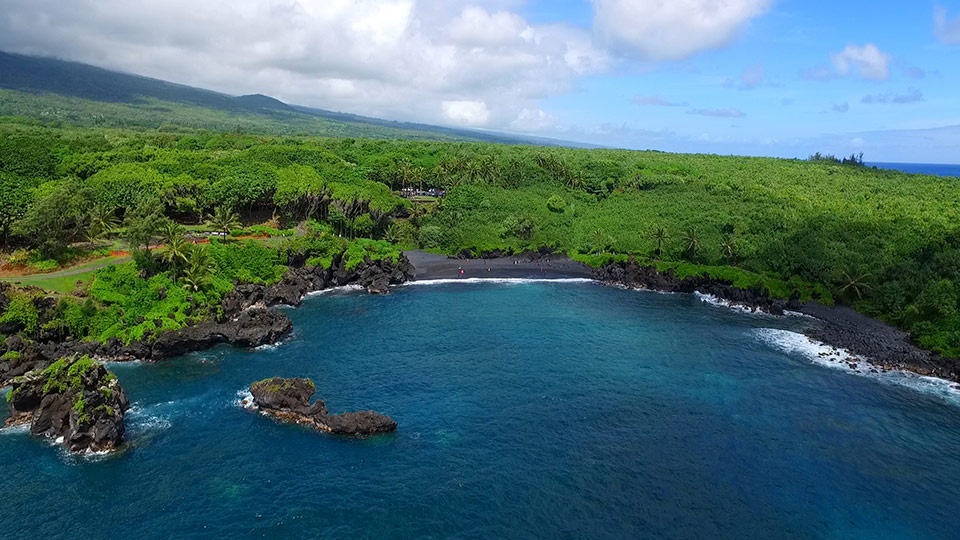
(433,266)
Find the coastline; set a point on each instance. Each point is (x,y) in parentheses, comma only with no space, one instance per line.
(883,346)
(430,266)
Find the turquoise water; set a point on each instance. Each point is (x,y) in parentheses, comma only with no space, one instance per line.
(535,410)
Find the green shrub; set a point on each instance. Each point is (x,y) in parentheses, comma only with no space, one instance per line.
(10,356)
(247,262)
(556,203)
(376,250)
(46,265)
(21,311)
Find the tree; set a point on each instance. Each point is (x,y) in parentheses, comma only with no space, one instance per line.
(855,283)
(143,223)
(55,219)
(660,236)
(728,246)
(223,219)
(199,268)
(600,240)
(175,254)
(691,244)
(16,194)
(101,221)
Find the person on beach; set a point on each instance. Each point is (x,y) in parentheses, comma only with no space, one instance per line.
(460,268)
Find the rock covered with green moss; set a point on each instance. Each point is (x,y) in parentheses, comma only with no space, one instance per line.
(74,401)
(289,400)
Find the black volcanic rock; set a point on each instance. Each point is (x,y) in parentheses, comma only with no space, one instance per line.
(631,274)
(283,394)
(75,401)
(882,345)
(289,400)
(253,327)
(375,276)
(246,321)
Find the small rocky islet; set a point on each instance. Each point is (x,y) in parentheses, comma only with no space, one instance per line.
(74,401)
(288,400)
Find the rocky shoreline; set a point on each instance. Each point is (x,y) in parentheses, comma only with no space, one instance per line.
(248,320)
(85,411)
(883,346)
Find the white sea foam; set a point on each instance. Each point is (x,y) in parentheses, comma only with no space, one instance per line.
(842,359)
(720,302)
(18,429)
(245,400)
(147,419)
(507,281)
(269,346)
(335,290)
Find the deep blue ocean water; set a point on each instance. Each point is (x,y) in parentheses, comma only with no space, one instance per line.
(936,169)
(534,410)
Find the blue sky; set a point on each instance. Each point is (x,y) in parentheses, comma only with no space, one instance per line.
(780,75)
(757,77)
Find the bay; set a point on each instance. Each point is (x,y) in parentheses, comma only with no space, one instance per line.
(524,410)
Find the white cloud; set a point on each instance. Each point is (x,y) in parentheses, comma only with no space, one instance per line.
(912,95)
(672,29)
(472,113)
(531,120)
(719,113)
(419,60)
(476,27)
(750,79)
(868,61)
(658,101)
(946,30)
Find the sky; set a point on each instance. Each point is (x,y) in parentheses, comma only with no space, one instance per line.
(753,77)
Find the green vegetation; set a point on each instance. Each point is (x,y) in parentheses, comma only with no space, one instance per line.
(886,242)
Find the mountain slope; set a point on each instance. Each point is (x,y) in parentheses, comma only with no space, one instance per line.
(47,89)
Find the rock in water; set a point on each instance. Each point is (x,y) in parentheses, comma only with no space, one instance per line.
(75,400)
(289,400)
(283,394)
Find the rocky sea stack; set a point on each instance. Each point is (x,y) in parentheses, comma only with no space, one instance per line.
(75,401)
(289,400)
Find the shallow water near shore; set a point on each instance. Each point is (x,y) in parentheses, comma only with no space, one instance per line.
(525,409)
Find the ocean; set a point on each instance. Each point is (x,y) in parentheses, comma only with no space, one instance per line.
(525,409)
(935,169)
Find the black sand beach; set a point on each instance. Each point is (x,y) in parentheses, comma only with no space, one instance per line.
(883,345)
(432,266)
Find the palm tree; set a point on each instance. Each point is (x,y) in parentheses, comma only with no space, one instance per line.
(171,235)
(660,236)
(600,240)
(223,219)
(103,221)
(691,244)
(857,285)
(198,269)
(728,247)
